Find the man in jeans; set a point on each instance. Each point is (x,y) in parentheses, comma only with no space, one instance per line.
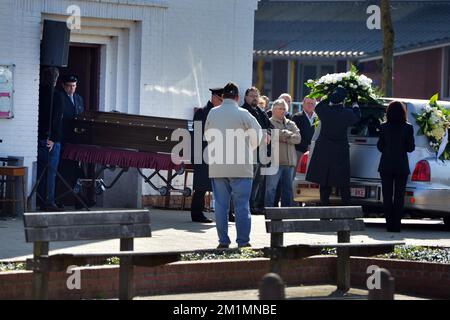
(49,141)
(251,99)
(289,136)
(233,135)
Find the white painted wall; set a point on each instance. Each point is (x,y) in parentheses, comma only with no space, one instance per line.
(161,56)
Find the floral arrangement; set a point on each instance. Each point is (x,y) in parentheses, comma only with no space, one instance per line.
(355,83)
(434,123)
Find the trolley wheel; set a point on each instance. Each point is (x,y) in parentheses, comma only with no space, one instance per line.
(187,192)
(181,171)
(77,188)
(164,191)
(99,190)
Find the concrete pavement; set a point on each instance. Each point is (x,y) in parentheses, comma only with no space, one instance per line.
(320,292)
(173,231)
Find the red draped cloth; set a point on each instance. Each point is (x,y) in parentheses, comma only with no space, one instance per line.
(119,157)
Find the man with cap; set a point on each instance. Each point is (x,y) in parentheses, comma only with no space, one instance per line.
(73,105)
(233,135)
(330,161)
(202,182)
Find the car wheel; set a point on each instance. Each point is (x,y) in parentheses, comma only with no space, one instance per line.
(447,222)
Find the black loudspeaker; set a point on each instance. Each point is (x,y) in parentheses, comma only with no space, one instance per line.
(55,44)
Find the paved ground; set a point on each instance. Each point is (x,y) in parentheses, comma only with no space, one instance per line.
(173,230)
(322,292)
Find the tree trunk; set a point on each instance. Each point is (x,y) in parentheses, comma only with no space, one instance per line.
(388,48)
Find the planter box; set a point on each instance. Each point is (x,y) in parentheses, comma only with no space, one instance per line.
(413,278)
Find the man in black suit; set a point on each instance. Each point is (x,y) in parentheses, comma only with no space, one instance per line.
(73,105)
(305,123)
(202,182)
(330,161)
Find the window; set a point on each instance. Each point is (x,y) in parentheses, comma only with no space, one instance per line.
(446,73)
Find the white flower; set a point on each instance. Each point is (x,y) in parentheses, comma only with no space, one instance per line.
(310,81)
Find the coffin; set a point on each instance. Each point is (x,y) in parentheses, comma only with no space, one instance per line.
(125,131)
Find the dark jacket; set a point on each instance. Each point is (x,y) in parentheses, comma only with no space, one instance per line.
(44,114)
(70,111)
(202,182)
(330,160)
(306,131)
(263,121)
(260,116)
(395,141)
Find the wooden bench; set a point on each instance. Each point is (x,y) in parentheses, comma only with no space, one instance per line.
(43,228)
(342,220)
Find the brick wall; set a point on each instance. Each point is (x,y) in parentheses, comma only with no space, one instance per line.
(416,75)
(413,278)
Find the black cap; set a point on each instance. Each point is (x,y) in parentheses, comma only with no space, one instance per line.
(231,89)
(70,78)
(216,91)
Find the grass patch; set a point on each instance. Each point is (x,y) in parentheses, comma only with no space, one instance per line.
(11,266)
(244,253)
(419,253)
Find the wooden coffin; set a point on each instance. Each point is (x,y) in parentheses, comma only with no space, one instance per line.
(126,131)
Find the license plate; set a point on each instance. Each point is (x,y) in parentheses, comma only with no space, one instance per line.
(358,192)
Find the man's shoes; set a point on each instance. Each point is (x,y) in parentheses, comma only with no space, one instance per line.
(202,220)
(51,208)
(247,245)
(257,211)
(223,246)
(231,217)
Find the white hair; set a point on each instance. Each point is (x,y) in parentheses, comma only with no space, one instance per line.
(285,95)
(280,102)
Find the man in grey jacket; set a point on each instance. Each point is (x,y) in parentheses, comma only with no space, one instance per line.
(233,135)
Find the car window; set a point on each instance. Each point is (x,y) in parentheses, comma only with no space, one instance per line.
(370,123)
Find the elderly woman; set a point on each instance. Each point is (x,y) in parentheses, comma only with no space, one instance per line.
(289,136)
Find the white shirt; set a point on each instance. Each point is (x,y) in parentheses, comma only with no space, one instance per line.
(311,119)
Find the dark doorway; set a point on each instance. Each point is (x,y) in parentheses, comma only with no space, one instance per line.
(84,62)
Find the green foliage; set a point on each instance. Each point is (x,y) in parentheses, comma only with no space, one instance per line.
(113,261)
(433,122)
(418,253)
(12,266)
(244,253)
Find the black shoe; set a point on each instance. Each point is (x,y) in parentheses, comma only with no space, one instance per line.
(51,208)
(231,218)
(247,245)
(202,220)
(257,211)
(223,246)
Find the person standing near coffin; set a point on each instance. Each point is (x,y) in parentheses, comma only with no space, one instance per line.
(395,142)
(49,139)
(73,105)
(330,161)
(202,182)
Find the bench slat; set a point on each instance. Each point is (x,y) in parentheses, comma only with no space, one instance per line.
(302,251)
(314,226)
(86,218)
(60,262)
(315,213)
(99,232)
